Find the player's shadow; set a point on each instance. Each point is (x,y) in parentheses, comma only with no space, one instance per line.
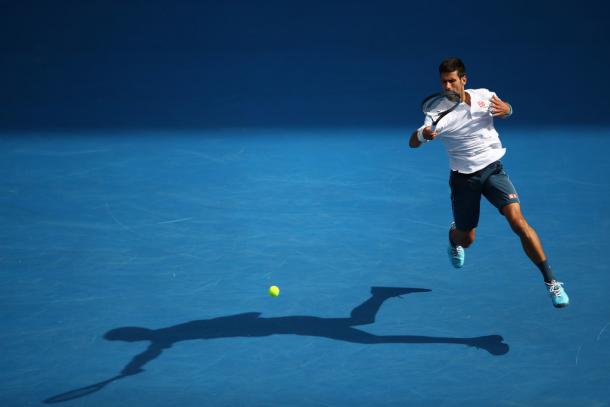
(251,324)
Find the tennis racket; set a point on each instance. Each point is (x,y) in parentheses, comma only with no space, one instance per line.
(83,391)
(438,105)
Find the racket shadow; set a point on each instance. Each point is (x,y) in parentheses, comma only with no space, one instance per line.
(251,324)
(81,392)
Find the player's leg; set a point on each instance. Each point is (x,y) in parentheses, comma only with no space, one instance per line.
(463,238)
(500,191)
(465,206)
(528,236)
(533,248)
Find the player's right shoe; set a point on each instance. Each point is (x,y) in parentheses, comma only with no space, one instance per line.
(456,253)
(558,295)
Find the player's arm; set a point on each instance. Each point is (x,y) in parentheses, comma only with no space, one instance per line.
(418,139)
(500,107)
(136,364)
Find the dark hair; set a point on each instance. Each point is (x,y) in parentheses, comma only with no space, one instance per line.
(451,65)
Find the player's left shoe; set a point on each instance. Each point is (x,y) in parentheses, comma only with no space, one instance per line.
(558,294)
(456,253)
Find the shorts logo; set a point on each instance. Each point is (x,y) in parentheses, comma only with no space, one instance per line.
(512,196)
(481,104)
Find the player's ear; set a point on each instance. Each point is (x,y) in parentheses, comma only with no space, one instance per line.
(464,79)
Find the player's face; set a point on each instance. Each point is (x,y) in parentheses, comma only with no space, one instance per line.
(450,81)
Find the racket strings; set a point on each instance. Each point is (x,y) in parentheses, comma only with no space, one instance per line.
(438,105)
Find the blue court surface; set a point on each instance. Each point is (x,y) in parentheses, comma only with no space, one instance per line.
(135,268)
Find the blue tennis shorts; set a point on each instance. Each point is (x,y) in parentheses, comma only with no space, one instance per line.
(466,190)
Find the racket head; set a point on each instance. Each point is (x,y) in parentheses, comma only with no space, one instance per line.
(82,392)
(438,105)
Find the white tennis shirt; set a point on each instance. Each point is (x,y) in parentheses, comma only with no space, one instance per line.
(468,134)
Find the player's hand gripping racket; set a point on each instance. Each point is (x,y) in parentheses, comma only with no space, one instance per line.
(438,105)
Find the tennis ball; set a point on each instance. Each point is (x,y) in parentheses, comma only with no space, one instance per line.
(274,291)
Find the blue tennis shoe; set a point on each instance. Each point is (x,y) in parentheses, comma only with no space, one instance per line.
(558,295)
(456,253)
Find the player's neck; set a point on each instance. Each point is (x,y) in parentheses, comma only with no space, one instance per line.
(466,98)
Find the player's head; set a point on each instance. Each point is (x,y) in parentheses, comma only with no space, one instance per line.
(453,75)
(128,334)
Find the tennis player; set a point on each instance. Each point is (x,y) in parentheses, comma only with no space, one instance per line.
(475,150)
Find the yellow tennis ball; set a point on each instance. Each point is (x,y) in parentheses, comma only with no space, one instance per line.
(274,291)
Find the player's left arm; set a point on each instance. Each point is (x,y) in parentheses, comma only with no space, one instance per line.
(500,107)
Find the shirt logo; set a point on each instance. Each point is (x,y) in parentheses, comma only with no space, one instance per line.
(481,104)
(512,196)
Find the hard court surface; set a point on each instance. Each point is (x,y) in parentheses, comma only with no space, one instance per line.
(182,233)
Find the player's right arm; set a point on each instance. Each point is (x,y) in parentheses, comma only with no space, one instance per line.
(426,133)
(137,363)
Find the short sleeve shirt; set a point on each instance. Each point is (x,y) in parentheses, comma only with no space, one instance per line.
(468,133)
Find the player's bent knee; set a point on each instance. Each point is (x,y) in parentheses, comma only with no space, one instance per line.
(465,239)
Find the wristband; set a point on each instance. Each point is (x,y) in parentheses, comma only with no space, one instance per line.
(510,112)
(420,135)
